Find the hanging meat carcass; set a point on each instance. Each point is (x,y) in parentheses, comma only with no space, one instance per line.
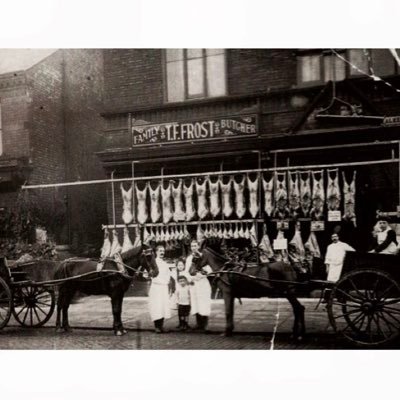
(127,215)
(266,252)
(179,213)
(246,233)
(253,235)
(294,194)
(227,208)
(312,245)
(253,194)
(146,236)
(141,196)
(106,249)
(215,206)
(268,187)
(333,190)
(240,206)
(200,235)
(189,205)
(126,244)
(115,245)
(296,247)
(201,189)
(281,255)
(281,196)
(305,193)
(166,203)
(235,231)
(349,194)
(318,195)
(155,207)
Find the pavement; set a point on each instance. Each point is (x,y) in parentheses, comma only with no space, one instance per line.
(263,324)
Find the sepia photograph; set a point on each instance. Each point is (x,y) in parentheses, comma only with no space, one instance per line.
(190,198)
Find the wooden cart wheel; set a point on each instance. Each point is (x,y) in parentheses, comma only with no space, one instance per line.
(6,303)
(33,305)
(364,307)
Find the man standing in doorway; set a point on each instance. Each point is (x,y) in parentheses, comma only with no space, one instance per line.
(335,257)
(200,291)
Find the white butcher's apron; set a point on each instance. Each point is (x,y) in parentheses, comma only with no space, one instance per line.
(200,291)
(334,258)
(159,304)
(381,237)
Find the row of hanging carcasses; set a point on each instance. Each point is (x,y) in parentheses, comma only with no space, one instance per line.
(289,194)
(170,235)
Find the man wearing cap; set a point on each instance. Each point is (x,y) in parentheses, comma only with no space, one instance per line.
(386,239)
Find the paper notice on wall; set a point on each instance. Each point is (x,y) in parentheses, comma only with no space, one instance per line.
(41,235)
(317,226)
(282,225)
(334,216)
(280,244)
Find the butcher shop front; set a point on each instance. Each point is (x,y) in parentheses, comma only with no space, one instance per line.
(221,179)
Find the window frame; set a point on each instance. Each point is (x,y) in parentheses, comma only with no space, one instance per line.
(326,52)
(205,94)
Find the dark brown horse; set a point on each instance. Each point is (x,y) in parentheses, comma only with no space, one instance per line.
(106,282)
(233,283)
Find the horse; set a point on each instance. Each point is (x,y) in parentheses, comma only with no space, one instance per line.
(234,281)
(109,281)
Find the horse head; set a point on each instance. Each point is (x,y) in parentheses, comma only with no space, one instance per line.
(139,257)
(209,257)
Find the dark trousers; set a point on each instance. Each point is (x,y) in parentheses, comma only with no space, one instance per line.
(183,315)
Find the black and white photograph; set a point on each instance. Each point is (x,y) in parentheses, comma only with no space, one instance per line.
(210,195)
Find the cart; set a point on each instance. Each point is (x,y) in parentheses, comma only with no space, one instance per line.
(32,304)
(364,305)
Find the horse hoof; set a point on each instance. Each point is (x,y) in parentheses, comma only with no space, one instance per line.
(60,330)
(227,334)
(120,332)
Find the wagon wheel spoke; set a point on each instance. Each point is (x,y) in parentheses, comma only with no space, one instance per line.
(382,295)
(41,310)
(22,309)
(375,317)
(388,323)
(26,315)
(43,298)
(37,315)
(43,303)
(361,296)
(348,313)
(389,313)
(391,301)
(338,303)
(354,299)
(355,321)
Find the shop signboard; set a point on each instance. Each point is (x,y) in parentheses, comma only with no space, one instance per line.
(240,126)
(282,225)
(391,121)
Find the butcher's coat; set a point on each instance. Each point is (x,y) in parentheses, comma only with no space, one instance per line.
(159,303)
(200,291)
(334,258)
(381,237)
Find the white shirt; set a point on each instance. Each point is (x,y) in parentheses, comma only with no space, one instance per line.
(334,258)
(183,295)
(164,273)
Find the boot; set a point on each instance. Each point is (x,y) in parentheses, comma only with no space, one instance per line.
(158,325)
(205,324)
(199,322)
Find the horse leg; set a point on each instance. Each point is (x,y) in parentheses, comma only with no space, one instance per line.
(298,312)
(67,301)
(229,302)
(116,304)
(60,303)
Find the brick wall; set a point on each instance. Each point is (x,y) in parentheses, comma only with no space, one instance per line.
(83,99)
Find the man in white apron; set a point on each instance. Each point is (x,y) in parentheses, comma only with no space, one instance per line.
(386,239)
(159,304)
(334,258)
(200,291)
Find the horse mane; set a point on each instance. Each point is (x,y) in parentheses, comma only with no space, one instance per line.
(215,254)
(127,255)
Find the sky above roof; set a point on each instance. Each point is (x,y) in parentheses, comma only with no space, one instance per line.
(21,59)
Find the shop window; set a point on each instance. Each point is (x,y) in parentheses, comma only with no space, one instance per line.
(319,66)
(195,73)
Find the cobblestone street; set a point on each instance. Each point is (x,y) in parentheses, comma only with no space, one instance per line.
(254,326)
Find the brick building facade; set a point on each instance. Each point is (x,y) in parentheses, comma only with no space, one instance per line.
(70,118)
